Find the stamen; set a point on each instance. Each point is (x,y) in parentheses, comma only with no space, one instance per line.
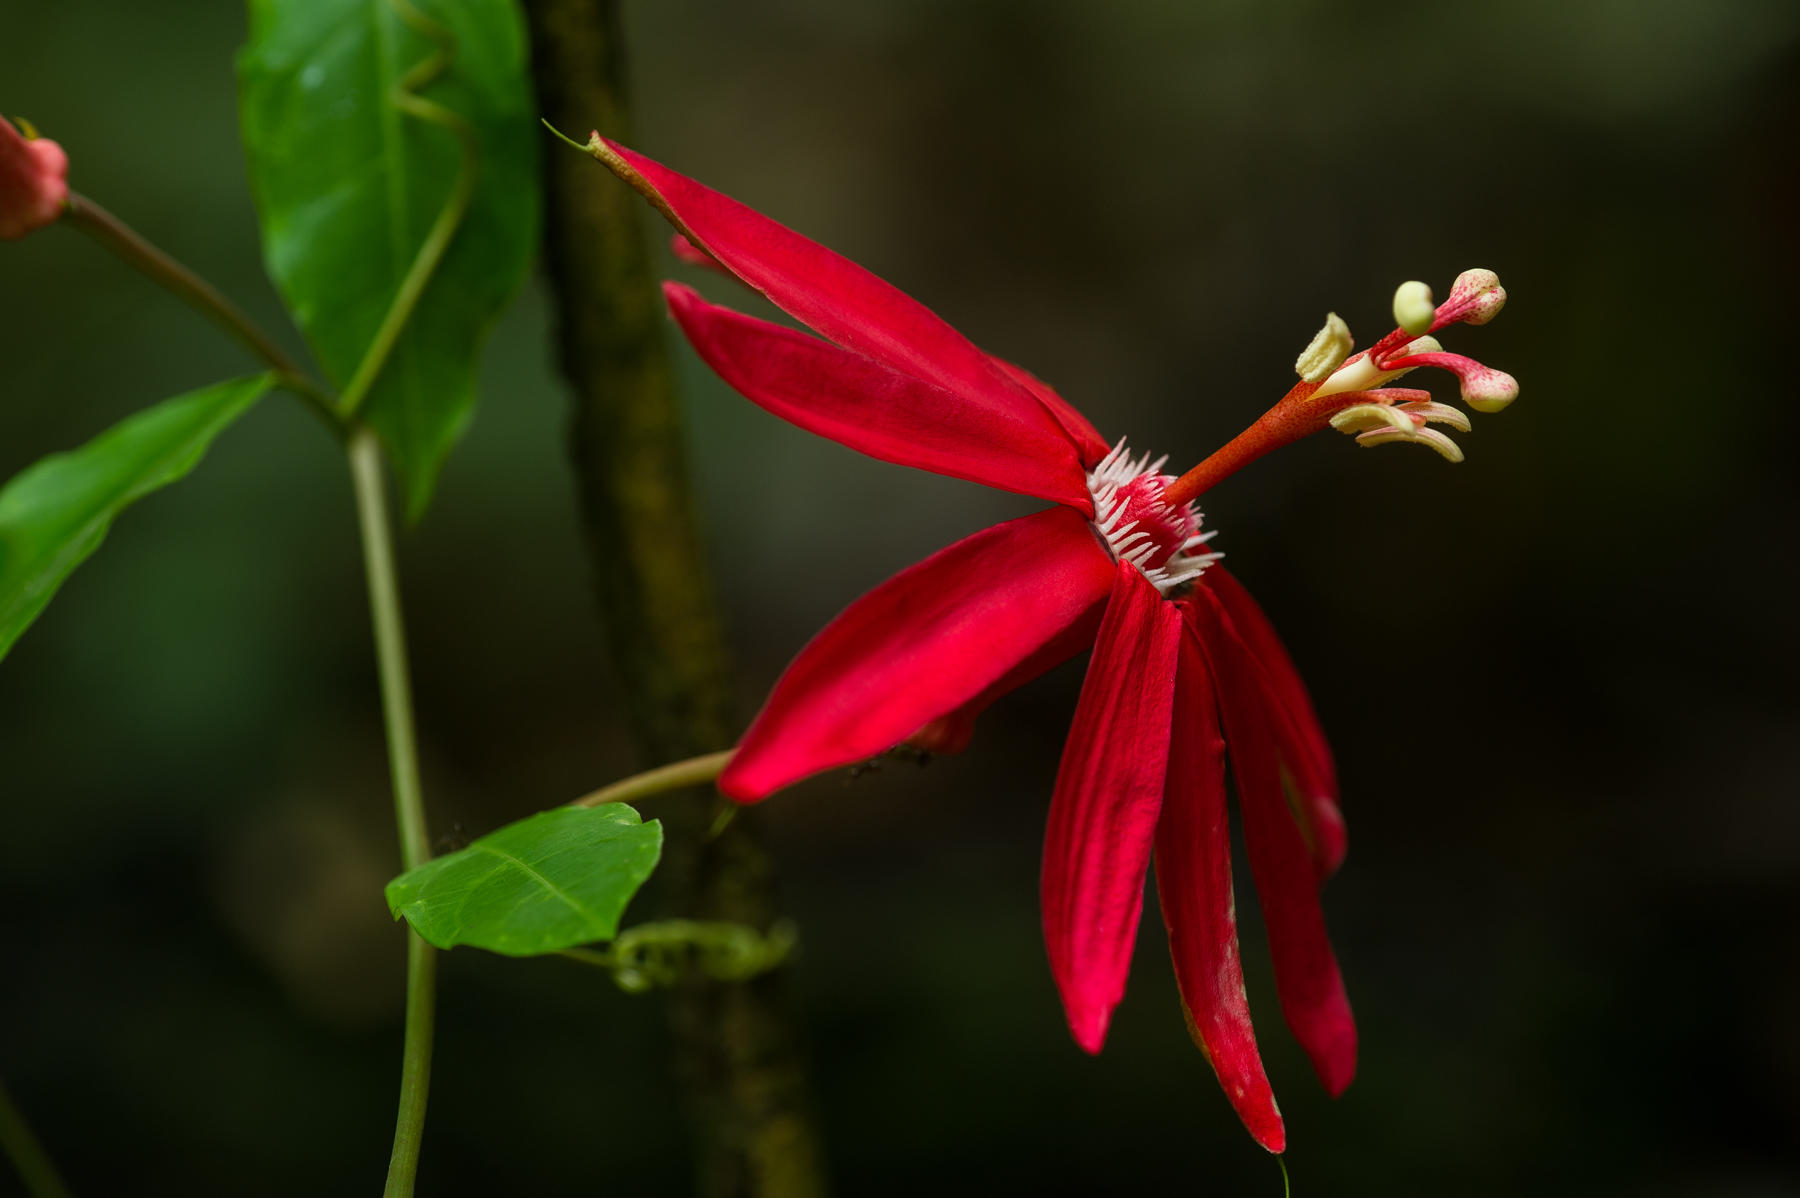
(1421,436)
(1385,424)
(1326,351)
(1350,392)
(1437,413)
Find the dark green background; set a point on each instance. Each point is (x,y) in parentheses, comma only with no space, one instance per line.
(1560,677)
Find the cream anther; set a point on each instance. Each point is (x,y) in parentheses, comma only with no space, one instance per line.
(1393,424)
(1326,351)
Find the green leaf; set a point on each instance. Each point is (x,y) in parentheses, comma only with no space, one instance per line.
(349,186)
(55,513)
(549,882)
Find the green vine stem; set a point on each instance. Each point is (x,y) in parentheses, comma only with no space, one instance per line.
(409,804)
(27,1154)
(365,455)
(384,591)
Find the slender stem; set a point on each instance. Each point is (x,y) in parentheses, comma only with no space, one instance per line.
(390,644)
(27,1154)
(90,218)
(128,244)
(691,772)
(415,1066)
(409,804)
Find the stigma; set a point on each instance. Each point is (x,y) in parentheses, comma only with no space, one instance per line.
(1135,521)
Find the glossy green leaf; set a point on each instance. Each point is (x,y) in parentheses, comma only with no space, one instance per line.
(55,513)
(548,882)
(349,186)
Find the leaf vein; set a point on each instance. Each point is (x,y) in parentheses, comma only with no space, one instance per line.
(546,883)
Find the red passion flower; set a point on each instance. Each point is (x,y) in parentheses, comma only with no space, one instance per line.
(1186,670)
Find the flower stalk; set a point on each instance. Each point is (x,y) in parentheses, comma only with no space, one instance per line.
(695,771)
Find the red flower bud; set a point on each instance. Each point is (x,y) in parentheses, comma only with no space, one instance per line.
(33,182)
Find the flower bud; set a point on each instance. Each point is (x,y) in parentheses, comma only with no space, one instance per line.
(33,182)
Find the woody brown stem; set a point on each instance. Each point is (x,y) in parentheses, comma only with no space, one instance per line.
(737,1053)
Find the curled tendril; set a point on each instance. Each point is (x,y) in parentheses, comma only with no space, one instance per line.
(658,954)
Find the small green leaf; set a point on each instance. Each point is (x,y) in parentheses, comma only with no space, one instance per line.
(349,181)
(55,513)
(548,882)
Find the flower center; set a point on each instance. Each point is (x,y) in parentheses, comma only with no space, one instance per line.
(1138,525)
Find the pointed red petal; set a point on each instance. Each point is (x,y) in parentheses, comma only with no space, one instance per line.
(858,402)
(1103,814)
(1304,749)
(1087,438)
(827,292)
(1306,971)
(922,644)
(1193,881)
(952,732)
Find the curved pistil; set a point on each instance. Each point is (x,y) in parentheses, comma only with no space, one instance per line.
(1349,392)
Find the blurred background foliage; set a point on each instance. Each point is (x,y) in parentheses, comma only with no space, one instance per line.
(1560,677)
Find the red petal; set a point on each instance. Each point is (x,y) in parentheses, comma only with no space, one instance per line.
(951,733)
(858,402)
(1306,971)
(828,292)
(1193,880)
(1304,749)
(1108,792)
(923,643)
(1087,438)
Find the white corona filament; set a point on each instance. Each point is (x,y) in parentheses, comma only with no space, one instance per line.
(1125,540)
